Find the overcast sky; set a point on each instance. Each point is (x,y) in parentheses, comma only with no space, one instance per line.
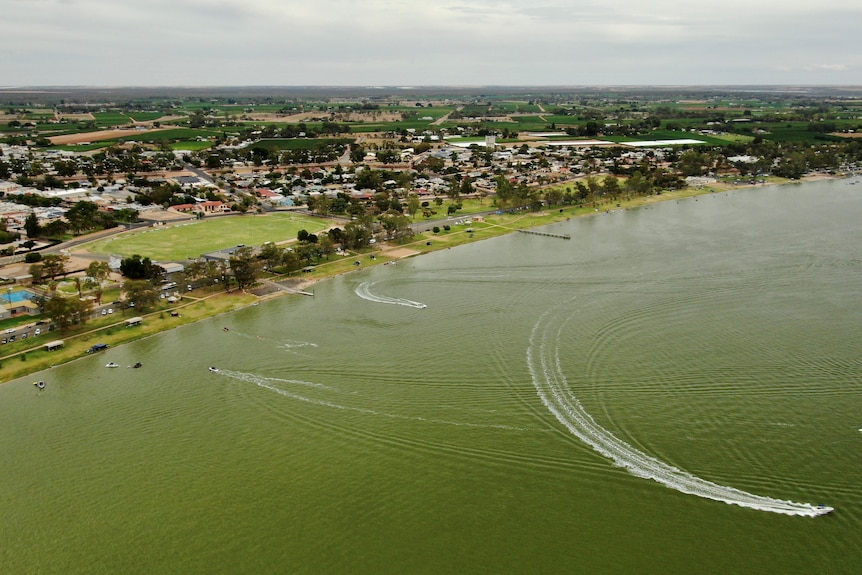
(429,42)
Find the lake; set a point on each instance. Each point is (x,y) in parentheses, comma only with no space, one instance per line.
(673,390)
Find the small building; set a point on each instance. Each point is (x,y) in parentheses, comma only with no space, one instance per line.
(134,321)
(54,345)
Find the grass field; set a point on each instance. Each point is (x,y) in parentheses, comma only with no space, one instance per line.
(300,143)
(191,239)
(192,145)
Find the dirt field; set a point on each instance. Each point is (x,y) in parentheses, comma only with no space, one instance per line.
(96,136)
(399,253)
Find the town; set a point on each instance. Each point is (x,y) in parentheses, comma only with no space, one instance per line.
(355,171)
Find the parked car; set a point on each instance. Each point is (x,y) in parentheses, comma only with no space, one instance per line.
(37,332)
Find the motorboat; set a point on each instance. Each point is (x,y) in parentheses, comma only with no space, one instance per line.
(137,365)
(112,364)
(214,369)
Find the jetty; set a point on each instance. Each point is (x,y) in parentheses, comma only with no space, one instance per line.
(550,235)
(282,287)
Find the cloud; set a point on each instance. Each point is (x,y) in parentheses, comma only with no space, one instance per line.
(386,42)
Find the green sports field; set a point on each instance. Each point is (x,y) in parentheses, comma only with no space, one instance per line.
(188,240)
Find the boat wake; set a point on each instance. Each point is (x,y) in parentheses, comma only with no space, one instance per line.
(363,290)
(543,360)
(271,384)
(286,344)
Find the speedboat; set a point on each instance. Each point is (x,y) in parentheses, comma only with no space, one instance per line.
(137,365)
(112,364)
(214,369)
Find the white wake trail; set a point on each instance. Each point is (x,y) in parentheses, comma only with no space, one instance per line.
(544,363)
(268,383)
(363,290)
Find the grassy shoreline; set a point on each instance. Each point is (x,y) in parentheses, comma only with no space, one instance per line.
(196,307)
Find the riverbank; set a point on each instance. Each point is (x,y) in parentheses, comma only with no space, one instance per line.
(207,303)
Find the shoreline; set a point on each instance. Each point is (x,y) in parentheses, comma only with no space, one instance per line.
(218,303)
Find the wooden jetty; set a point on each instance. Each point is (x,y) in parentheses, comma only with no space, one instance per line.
(535,233)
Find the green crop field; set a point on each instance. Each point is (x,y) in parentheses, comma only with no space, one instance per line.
(300,143)
(145,116)
(189,240)
(173,134)
(109,119)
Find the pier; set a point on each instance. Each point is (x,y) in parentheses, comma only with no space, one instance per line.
(535,233)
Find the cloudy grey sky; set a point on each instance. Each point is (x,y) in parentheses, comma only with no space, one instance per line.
(429,42)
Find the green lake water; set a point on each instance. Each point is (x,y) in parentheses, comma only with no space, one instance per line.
(671,391)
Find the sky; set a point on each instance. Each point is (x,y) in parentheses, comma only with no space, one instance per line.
(429,42)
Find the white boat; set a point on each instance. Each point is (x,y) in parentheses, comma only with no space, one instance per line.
(112,364)
(214,369)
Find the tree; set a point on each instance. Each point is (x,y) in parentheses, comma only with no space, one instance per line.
(99,271)
(36,273)
(54,265)
(244,266)
(82,216)
(141,293)
(792,166)
(64,311)
(137,268)
(412,205)
(611,186)
(32,227)
(271,255)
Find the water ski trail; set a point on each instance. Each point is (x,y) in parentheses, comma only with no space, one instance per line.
(286,344)
(363,290)
(268,383)
(543,360)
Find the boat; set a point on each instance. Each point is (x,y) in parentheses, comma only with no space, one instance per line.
(214,369)
(137,365)
(112,364)
(39,384)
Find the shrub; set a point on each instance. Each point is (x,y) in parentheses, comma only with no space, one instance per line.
(436,229)
(33,257)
